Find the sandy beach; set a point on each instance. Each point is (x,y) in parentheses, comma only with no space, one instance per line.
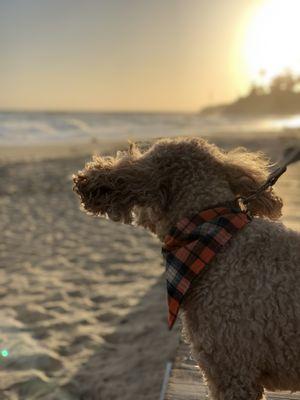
(83,305)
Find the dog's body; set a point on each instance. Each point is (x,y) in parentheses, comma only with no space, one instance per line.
(242,314)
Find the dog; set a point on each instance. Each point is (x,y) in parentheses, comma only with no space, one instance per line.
(241,314)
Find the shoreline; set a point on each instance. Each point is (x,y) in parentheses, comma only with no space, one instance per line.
(268,142)
(40,152)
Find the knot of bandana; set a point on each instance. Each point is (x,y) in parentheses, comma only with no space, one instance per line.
(192,244)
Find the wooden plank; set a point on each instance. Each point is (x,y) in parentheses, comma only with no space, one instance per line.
(186,381)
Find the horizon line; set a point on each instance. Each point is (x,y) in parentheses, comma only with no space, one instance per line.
(95,111)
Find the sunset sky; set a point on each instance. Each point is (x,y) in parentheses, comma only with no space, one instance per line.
(137,54)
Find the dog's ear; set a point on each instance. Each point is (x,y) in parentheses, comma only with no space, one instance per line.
(246,172)
(114,186)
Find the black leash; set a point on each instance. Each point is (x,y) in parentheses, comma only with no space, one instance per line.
(290,156)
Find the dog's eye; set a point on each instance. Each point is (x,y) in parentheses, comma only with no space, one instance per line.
(105,190)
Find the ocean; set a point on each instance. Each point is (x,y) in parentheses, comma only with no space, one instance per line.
(38,128)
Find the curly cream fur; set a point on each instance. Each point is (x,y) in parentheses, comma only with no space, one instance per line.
(242,315)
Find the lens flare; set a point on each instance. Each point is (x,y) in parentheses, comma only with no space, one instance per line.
(4,353)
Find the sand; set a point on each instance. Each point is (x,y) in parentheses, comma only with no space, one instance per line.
(83,312)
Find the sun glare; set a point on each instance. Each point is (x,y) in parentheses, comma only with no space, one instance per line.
(272,39)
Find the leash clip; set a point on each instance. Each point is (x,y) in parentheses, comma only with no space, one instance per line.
(272,179)
(290,156)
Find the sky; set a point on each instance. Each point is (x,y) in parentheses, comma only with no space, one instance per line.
(126,55)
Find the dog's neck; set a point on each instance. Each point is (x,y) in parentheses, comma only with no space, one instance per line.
(183,208)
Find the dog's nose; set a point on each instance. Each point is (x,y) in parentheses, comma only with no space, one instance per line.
(113,214)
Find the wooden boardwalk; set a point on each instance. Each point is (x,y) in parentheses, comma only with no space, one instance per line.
(186,383)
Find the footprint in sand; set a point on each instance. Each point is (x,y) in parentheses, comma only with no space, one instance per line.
(31,313)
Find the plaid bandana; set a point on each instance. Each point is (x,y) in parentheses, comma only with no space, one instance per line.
(192,244)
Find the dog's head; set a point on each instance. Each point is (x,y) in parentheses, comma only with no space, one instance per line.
(124,188)
(172,179)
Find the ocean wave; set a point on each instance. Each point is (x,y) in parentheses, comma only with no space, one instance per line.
(34,128)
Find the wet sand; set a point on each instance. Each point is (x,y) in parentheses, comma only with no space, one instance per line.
(83,312)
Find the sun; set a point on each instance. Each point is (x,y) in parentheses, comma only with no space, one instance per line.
(272,39)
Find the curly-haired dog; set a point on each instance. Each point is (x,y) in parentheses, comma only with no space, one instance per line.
(242,313)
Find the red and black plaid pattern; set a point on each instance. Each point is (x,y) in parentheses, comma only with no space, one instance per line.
(192,244)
